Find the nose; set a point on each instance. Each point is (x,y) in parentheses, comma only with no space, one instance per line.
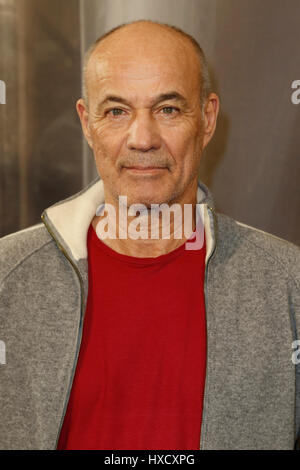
(143,134)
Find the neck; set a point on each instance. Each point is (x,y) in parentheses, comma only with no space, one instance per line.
(147,233)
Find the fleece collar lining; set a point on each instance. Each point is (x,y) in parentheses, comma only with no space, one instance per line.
(71,217)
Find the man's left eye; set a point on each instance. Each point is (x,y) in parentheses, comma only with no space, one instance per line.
(116,111)
(169,110)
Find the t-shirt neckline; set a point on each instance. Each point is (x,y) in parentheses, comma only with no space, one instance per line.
(134,260)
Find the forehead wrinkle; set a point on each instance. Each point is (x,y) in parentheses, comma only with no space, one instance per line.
(111,82)
(108,63)
(139,68)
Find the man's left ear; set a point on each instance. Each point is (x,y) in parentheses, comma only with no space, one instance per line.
(211,110)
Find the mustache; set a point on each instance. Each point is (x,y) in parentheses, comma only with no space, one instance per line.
(144,161)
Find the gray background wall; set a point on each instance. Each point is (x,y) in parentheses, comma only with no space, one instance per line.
(40,137)
(252,165)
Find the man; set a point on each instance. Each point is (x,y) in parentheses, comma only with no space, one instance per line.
(120,342)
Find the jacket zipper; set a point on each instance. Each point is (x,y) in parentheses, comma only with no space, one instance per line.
(206,310)
(80,327)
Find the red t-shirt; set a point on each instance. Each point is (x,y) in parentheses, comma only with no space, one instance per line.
(139,380)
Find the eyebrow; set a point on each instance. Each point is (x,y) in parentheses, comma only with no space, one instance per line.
(173,95)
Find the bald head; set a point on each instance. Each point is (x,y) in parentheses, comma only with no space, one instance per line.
(147,38)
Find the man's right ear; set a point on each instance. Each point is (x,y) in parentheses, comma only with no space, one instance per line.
(83,114)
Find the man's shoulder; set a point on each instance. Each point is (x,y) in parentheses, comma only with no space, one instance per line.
(18,246)
(249,241)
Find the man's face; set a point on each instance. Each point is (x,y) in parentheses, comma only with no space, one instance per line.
(144,121)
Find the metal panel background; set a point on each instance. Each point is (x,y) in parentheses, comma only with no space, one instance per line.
(40,135)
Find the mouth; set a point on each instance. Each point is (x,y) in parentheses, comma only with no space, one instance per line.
(144,169)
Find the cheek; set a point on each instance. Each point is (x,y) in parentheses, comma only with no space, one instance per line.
(106,146)
(183,146)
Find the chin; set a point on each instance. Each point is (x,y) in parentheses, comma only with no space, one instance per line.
(148,199)
(142,192)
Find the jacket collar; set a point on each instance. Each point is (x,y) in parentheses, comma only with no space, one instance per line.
(69,219)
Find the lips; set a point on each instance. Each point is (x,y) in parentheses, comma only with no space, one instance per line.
(144,168)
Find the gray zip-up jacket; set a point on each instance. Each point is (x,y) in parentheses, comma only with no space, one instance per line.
(252,300)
